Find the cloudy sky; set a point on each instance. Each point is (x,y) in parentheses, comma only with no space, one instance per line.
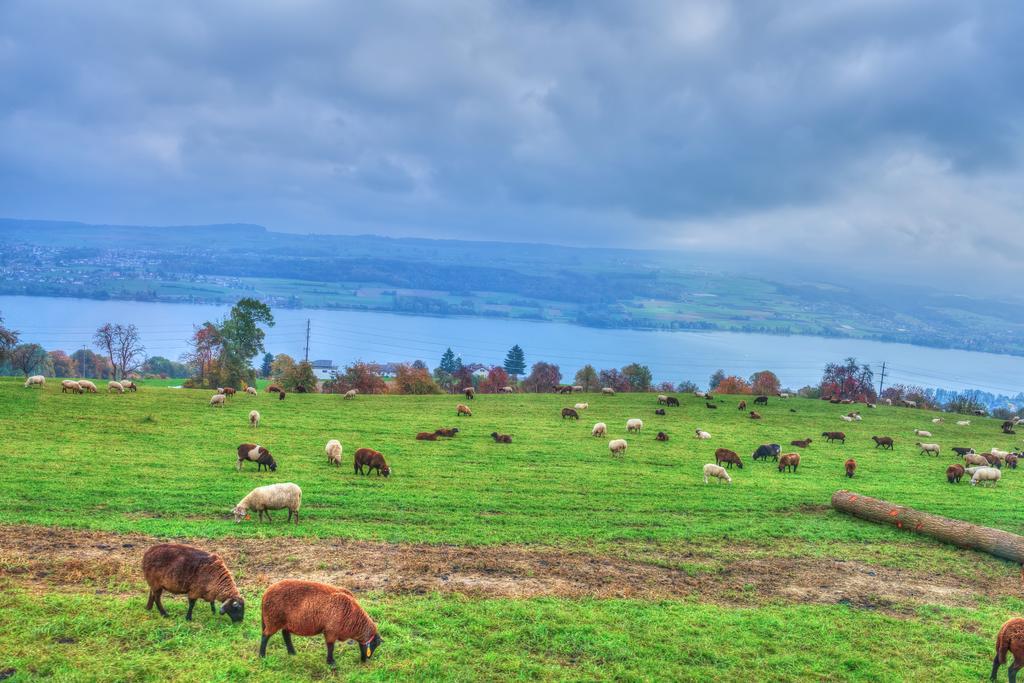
(872,131)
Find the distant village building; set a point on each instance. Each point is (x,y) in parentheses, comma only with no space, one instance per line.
(324,369)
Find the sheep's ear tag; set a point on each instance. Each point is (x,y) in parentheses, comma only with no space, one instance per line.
(369,652)
(248,516)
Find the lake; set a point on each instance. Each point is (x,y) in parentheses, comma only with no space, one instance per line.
(343,336)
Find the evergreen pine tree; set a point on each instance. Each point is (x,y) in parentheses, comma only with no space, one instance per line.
(515,361)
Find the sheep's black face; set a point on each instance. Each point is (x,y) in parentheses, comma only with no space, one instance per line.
(366,650)
(386,471)
(234,609)
(272,466)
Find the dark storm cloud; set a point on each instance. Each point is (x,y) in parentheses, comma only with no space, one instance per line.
(791,129)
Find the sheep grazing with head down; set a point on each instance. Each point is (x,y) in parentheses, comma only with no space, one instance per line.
(250,452)
(608,391)
(600,429)
(273,389)
(975,459)
(730,458)
(371,460)
(426,436)
(447,432)
(672,402)
(70,385)
(254,418)
(263,499)
(501,438)
(129,385)
(851,467)
(87,386)
(115,386)
(662,436)
(307,608)
(1010,639)
(989,475)
(333,450)
(701,434)
(742,406)
(789,461)
(634,424)
(35,380)
(954,473)
(767,450)
(217,400)
(463,409)
(662,399)
(350,394)
(251,391)
(182,569)
(570,413)
(229,392)
(1011,460)
(617,446)
(718,472)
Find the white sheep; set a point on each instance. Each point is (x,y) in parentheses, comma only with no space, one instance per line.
(86,385)
(713,470)
(971,470)
(506,390)
(937,420)
(888,401)
(608,391)
(963,423)
(989,474)
(932,448)
(783,395)
(700,394)
(70,385)
(856,416)
(617,446)
(115,386)
(662,398)
(351,393)
(921,432)
(333,450)
(220,390)
(999,453)
(217,400)
(701,434)
(846,418)
(251,390)
(35,379)
(263,499)
(600,429)
(582,406)
(254,418)
(634,424)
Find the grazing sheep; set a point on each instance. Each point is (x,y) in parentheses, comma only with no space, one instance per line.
(851,467)
(617,446)
(909,404)
(999,453)
(992,460)
(870,405)
(281,394)
(954,473)
(563,389)
(448,432)
(801,443)
(273,389)
(372,460)
(577,388)
(846,418)
(1010,639)
(35,379)
(662,436)
(333,450)
(570,413)
(883,442)
(581,406)
(87,386)
(986,474)
(129,385)
(1011,460)
(1008,431)
(426,436)
(761,401)
(659,411)
(182,569)
(251,391)
(608,391)
(115,386)
(501,438)
(728,457)
(506,390)
(229,392)
(254,418)
(963,423)
(462,409)
(70,385)
(718,472)
(971,470)
(600,429)
(921,432)
(932,448)
(711,406)
(672,402)
(307,608)
(263,499)
(962,450)
(470,393)
(789,461)
(255,453)
(767,450)
(782,394)
(976,459)
(220,390)
(701,434)
(634,424)
(350,394)
(662,399)
(834,436)
(937,420)
(1009,424)
(754,415)
(217,400)
(742,406)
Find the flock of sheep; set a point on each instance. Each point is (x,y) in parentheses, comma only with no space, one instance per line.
(83,386)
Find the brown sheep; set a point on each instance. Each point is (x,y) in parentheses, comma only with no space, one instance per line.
(280,396)
(834,436)
(662,436)
(851,467)
(228,391)
(1010,639)
(181,569)
(470,393)
(954,473)
(307,608)
(883,441)
(501,438)
(426,436)
(710,406)
(993,461)
(801,443)
(250,452)
(742,405)
(728,457)
(789,461)
(570,413)
(447,432)
(273,388)
(754,415)
(1011,461)
(463,409)
(372,460)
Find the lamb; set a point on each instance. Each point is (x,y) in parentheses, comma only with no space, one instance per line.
(570,413)
(711,470)
(742,406)
(501,438)
(35,379)
(921,432)
(307,608)
(183,569)
(448,432)
(333,450)
(963,423)
(350,394)
(263,499)
(801,443)
(255,453)
(217,400)
(767,450)
(883,441)
(789,461)
(986,474)
(470,393)
(962,451)
(834,436)
(728,457)
(1010,639)
(617,446)
(600,429)
(954,473)
(634,425)
(462,409)
(662,436)
(254,418)
(251,391)
(701,434)
(581,406)
(115,386)
(70,385)
(87,386)
(975,459)
(659,411)
(851,467)
(672,401)
(426,436)
(608,391)
(932,448)
(711,406)
(754,415)
(372,460)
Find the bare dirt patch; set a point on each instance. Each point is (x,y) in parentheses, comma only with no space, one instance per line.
(60,559)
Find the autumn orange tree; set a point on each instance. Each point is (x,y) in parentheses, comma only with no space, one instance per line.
(732,384)
(765,382)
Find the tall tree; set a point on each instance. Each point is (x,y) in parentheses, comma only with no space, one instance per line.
(265,367)
(449,363)
(495,380)
(28,359)
(515,362)
(638,377)
(586,377)
(410,379)
(63,364)
(123,347)
(716,377)
(765,382)
(241,339)
(92,364)
(206,345)
(848,380)
(612,379)
(543,377)
(732,385)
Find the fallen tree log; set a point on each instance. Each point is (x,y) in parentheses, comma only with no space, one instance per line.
(961,534)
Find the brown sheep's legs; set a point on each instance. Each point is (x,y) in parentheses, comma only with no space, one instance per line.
(263,645)
(213,608)
(330,653)
(995,667)
(154,598)
(287,635)
(191,605)
(1013,670)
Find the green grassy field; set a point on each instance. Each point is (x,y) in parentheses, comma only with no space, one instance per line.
(160,463)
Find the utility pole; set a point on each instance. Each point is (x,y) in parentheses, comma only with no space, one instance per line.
(881,380)
(306,358)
